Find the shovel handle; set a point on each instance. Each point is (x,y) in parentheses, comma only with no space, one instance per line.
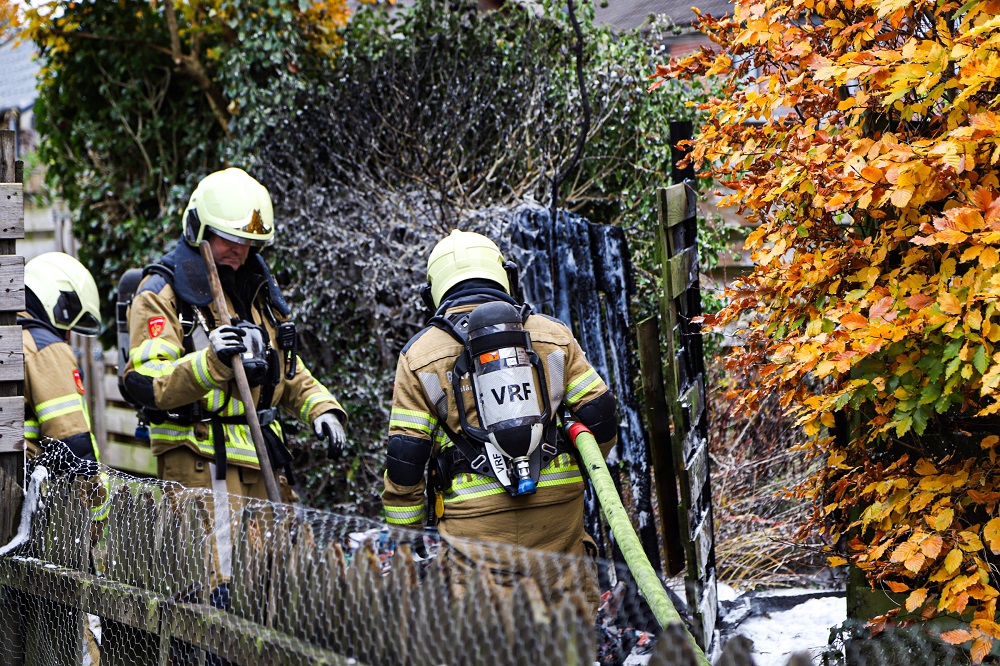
(240,375)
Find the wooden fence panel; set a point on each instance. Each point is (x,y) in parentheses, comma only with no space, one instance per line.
(11,362)
(684,379)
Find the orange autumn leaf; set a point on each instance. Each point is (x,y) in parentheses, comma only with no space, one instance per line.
(918,301)
(980,648)
(949,304)
(915,562)
(942,520)
(853,321)
(991,535)
(896,586)
(931,546)
(956,636)
(916,599)
(903,552)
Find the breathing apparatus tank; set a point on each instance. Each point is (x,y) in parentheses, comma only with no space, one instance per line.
(510,391)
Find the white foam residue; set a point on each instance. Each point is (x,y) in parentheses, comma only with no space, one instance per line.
(32,501)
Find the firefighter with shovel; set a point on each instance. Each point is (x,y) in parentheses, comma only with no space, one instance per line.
(212,354)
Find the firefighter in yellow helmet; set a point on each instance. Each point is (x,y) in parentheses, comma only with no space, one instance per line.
(499,468)
(180,363)
(60,297)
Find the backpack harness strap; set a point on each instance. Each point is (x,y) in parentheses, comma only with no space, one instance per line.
(469,455)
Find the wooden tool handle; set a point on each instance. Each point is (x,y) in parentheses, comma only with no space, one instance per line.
(273,493)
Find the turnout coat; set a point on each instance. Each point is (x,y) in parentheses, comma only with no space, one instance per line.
(173,370)
(475,507)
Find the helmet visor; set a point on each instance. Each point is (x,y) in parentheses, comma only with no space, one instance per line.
(263,241)
(69,314)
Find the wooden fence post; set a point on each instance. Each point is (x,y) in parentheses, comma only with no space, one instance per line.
(11,350)
(11,374)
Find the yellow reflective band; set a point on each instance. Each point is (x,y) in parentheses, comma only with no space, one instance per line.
(155,358)
(471,486)
(563,470)
(201,373)
(404,515)
(32,430)
(215,400)
(581,385)
(61,406)
(313,400)
(409,418)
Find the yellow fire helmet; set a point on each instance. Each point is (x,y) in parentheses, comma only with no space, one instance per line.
(67,292)
(233,205)
(460,256)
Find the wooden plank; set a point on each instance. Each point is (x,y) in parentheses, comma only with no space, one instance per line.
(690,442)
(697,471)
(111,390)
(680,204)
(130,458)
(668,504)
(11,464)
(683,268)
(705,617)
(244,642)
(120,420)
(11,284)
(703,544)
(692,403)
(129,605)
(11,424)
(11,210)
(11,352)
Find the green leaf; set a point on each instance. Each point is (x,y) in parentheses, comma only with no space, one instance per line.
(980,360)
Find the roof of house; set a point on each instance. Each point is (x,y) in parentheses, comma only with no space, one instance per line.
(18,74)
(628,14)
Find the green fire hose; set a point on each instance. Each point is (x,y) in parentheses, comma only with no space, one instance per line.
(645,576)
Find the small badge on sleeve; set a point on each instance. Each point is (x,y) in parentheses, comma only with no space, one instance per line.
(78,381)
(156,326)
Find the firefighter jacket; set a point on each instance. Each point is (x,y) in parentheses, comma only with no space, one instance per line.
(54,402)
(173,370)
(423,398)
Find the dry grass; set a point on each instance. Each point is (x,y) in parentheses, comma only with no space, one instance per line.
(755,519)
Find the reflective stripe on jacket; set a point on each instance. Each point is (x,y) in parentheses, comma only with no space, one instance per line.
(54,402)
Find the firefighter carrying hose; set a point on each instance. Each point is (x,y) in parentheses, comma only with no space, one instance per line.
(179,368)
(499,469)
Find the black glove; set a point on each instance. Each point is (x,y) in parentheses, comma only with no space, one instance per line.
(227,342)
(328,426)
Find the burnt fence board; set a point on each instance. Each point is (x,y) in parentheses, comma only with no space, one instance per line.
(663,473)
(684,379)
(579,272)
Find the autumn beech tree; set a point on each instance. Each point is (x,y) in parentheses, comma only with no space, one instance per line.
(862,139)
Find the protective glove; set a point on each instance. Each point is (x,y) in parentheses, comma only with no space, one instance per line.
(255,357)
(227,342)
(328,426)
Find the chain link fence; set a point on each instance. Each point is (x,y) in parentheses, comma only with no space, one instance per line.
(112,569)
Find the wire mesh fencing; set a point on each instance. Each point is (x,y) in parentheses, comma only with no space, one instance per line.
(111,569)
